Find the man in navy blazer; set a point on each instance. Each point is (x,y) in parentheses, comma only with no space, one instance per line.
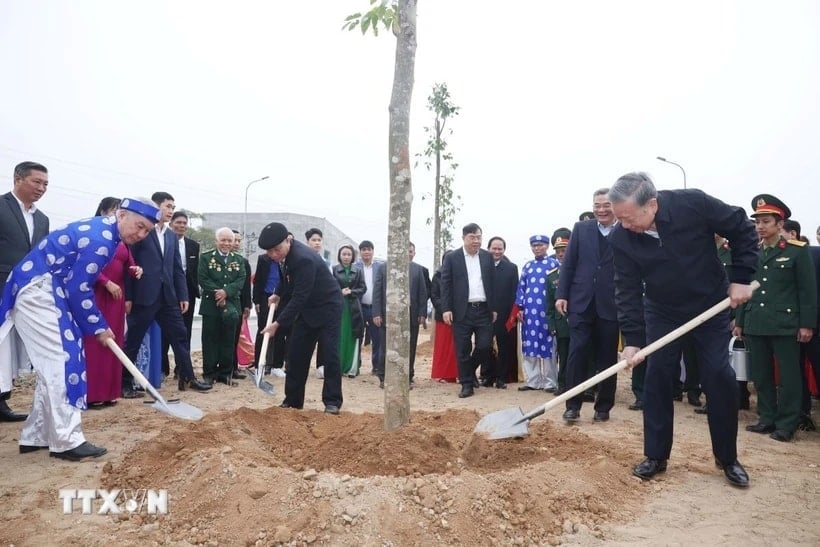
(586,295)
(160,295)
(467,292)
(22,225)
(313,312)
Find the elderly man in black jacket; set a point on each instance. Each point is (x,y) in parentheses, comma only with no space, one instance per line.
(666,273)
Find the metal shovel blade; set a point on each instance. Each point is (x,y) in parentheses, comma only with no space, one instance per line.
(504,424)
(178,409)
(257,379)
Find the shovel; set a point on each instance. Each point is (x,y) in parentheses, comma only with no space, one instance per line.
(512,422)
(257,379)
(177,409)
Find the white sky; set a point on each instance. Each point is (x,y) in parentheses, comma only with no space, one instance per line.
(558,99)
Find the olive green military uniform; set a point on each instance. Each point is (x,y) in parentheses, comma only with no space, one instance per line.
(558,327)
(785,302)
(219,323)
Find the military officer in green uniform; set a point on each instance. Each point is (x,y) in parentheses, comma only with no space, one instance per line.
(221,277)
(558,323)
(780,314)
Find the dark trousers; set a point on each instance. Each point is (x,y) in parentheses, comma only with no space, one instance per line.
(218,347)
(382,357)
(776,404)
(498,368)
(414,340)
(303,340)
(587,330)
(276,346)
(188,319)
(169,318)
(376,338)
(691,384)
(562,343)
(478,321)
(717,380)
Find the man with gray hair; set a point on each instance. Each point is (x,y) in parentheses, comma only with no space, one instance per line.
(666,273)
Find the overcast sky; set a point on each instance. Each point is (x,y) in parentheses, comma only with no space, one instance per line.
(557,99)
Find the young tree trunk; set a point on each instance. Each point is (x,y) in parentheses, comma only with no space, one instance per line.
(437,250)
(396,385)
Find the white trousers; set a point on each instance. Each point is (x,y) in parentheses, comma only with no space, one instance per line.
(540,372)
(52,421)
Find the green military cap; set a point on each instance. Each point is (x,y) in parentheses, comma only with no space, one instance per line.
(767,204)
(560,238)
(586,215)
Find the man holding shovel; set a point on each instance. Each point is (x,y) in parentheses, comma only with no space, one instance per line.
(48,306)
(666,273)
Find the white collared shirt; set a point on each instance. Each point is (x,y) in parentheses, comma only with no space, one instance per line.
(474,282)
(28,216)
(182,254)
(367,297)
(161,237)
(605,229)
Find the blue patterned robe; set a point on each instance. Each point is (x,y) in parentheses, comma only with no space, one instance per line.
(531,297)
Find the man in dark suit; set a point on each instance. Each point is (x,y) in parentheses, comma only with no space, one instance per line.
(161,295)
(506,284)
(666,273)
(586,295)
(22,225)
(245,301)
(265,281)
(418,309)
(313,312)
(467,291)
(189,255)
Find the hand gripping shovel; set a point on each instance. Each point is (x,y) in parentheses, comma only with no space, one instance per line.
(512,422)
(177,409)
(257,379)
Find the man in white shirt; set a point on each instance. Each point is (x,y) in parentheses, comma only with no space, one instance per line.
(369,267)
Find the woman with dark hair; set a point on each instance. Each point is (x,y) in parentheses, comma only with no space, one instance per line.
(444,367)
(351,280)
(103,370)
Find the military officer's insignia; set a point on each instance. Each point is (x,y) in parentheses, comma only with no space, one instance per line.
(782,245)
(761,202)
(782,259)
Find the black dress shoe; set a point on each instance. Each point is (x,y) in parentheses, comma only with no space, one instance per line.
(8,415)
(693,399)
(600,416)
(702,410)
(637,405)
(500,385)
(194,384)
(27,448)
(678,397)
(466,391)
(571,415)
(131,393)
(550,389)
(85,450)
(649,468)
(760,428)
(526,388)
(806,423)
(782,435)
(332,409)
(236,375)
(486,382)
(286,404)
(735,473)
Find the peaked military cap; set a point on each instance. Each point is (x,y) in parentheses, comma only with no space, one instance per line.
(767,204)
(561,238)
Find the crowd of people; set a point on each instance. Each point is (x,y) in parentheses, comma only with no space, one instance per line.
(640,264)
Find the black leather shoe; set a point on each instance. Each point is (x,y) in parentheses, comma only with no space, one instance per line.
(332,409)
(637,405)
(486,382)
(600,416)
(702,410)
(85,450)
(678,397)
(27,448)
(526,388)
(550,389)
(806,423)
(782,435)
(500,385)
(131,393)
(760,428)
(238,375)
(466,391)
(285,404)
(735,473)
(571,415)
(8,415)
(649,468)
(693,399)
(196,385)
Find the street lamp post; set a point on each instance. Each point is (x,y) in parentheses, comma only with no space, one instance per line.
(245,213)
(679,166)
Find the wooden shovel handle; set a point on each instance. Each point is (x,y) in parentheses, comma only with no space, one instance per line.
(263,361)
(135,372)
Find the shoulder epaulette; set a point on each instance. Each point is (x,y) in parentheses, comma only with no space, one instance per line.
(797,242)
(555,269)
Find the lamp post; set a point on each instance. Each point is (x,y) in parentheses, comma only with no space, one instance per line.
(245,213)
(679,166)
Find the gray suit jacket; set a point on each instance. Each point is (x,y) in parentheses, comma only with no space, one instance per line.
(418,292)
(14,240)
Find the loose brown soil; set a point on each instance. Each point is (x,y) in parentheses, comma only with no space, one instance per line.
(251,473)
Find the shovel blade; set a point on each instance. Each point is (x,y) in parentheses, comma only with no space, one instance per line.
(503,424)
(179,409)
(267,387)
